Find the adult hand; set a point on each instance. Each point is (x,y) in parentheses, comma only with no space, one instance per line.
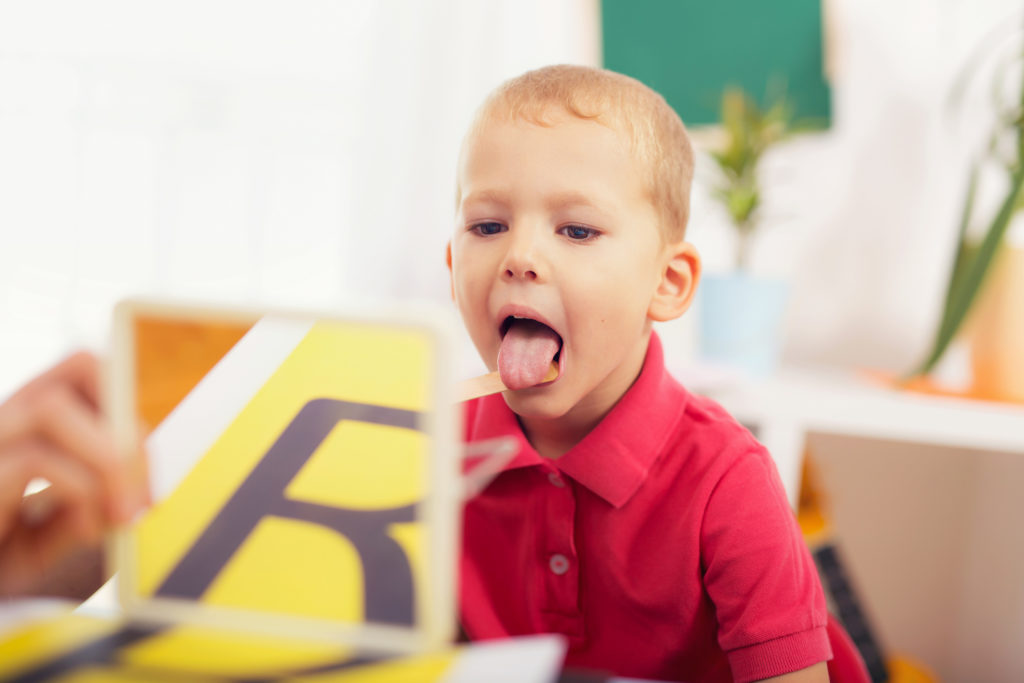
(53,428)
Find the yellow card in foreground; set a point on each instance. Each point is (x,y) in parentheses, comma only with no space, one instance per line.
(328,496)
(76,649)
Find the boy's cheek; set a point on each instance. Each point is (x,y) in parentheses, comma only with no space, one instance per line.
(476,323)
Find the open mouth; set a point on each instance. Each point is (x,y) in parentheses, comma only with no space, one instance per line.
(528,348)
(530,322)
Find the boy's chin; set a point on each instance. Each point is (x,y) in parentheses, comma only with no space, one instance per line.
(536,403)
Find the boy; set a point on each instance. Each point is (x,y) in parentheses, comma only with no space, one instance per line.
(638,520)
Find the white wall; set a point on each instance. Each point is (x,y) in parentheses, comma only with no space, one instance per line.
(281,152)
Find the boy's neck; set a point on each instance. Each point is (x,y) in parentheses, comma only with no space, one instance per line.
(554,438)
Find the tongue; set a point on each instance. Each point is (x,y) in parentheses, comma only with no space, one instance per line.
(526,353)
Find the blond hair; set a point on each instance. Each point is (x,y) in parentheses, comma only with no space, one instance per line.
(657,135)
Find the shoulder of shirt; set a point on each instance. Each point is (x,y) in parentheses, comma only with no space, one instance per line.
(710,428)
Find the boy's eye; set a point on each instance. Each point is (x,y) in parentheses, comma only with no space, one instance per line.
(579,233)
(488,228)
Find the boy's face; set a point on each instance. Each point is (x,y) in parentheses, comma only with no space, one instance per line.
(555,224)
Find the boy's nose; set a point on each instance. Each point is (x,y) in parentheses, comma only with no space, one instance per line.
(521,261)
(512,273)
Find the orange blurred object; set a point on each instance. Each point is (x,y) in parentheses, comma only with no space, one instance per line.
(996,330)
(923,384)
(172,356)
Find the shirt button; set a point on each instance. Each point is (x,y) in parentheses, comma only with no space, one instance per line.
(556,480)
(559,564)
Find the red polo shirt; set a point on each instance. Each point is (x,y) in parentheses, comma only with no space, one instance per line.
(662,545)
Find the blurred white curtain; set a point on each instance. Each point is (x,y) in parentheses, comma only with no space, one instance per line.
(276,152)
(878,199)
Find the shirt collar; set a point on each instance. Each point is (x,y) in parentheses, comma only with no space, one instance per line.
(614,459)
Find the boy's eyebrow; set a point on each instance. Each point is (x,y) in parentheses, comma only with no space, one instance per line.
(561,200)
(572,198)
(485,196)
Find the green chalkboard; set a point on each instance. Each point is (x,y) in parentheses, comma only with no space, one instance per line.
(688,50)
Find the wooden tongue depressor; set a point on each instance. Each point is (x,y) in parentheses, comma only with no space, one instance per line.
(491,384)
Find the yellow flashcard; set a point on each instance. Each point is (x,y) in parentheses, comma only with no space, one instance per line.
(76,648)
(309,476)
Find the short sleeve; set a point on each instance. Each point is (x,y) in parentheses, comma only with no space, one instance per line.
(759,573)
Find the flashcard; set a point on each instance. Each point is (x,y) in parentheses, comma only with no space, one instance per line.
(310,475)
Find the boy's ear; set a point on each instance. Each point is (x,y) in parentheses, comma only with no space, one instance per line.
(448,260)
(678,283)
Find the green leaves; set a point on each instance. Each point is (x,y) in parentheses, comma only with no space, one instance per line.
(749,132)
(740,200)
(973,261)
(969,271)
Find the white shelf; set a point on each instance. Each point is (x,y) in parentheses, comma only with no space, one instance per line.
(836,402)
(797,401)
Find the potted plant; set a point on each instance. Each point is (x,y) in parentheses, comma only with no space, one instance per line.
(741,314)
(985,280)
